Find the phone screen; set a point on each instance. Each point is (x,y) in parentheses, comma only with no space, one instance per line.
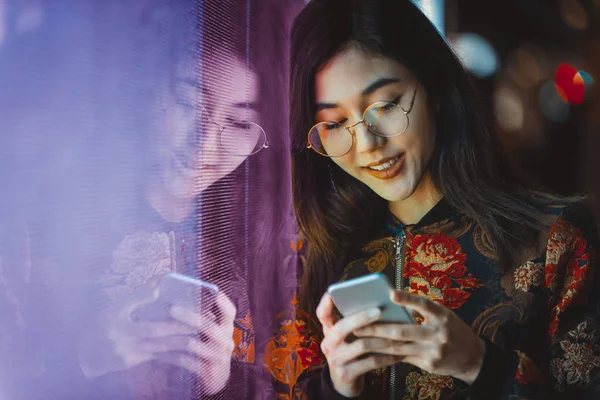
(183,291)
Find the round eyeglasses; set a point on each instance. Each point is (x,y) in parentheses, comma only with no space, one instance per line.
(384,118)
(237,138)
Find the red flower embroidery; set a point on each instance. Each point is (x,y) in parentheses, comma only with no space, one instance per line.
(565,240)
(292,350)
(437,270)
(243,338)
(310,355)
(527,371)
(560,240)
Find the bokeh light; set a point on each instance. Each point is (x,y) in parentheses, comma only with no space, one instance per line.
(527,66)
(573,13)
(508,108)
(571,83)
(552,104)
(586,78)
(588,83)
(476,54)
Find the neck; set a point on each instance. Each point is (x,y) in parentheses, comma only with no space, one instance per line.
(410,210)
(170,208)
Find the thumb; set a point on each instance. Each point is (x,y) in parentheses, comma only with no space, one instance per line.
(141,296)
(424,306)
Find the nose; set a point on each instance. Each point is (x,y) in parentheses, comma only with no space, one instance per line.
(365,140)
(209,142)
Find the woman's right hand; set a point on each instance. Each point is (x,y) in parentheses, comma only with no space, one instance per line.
(349,360)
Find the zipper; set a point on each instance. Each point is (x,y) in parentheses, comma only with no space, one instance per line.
(399,243)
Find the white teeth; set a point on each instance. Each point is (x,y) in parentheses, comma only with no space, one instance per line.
(385,165)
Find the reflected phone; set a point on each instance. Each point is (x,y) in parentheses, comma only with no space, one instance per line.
(369,291)
(180,290)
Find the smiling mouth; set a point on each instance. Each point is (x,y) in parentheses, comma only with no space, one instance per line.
(386,164)
(387,168)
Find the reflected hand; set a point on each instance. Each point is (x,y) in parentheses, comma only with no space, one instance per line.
(208,352)
(350,361)
(443,345)
(121,343)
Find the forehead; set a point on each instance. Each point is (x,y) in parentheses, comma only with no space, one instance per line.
(228,79)
(349,72)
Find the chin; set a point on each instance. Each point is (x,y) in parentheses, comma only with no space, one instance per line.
(179,187)
(396,191)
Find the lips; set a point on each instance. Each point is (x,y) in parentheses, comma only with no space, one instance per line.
(386,168)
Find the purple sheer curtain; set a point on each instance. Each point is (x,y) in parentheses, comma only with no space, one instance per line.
(85,88)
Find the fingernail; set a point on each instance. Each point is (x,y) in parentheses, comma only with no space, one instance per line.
(176,311)
(374,313)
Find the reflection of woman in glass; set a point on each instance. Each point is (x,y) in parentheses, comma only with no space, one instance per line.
(205,128)
(396,172)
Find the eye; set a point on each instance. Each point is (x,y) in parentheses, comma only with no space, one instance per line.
(242,124)
(397,99)
(388,107)
(330,125)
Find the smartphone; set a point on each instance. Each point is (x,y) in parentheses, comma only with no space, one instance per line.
(369,291)
(180,290)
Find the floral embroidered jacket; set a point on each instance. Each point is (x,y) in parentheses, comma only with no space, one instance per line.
(540,321)
(151,248)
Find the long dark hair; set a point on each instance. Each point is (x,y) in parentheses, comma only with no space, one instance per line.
(468,165)
(252,203)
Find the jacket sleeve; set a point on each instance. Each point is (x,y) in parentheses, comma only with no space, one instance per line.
(570,365)
(294,360)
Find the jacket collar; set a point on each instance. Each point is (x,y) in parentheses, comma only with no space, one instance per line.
(441,212)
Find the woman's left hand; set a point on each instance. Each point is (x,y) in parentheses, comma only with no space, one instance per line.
(442,345)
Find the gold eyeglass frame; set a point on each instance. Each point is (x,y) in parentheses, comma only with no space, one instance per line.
(353,135)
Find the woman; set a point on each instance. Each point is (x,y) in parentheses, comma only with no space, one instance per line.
(395,171)
(198,168)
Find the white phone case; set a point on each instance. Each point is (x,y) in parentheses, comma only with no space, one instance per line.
(369,291)
(177,289)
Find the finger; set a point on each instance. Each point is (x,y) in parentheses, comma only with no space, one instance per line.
(325,311)
(398,332)
(205,351)
(349,351)
(181,360)
(160,329)
(354,370)
(404,349)
(212,332)
(141,296)
(191,318)
(347,325)
(190,363)
(226,308)
(426,307)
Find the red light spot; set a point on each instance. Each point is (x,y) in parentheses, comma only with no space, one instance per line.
(569,84)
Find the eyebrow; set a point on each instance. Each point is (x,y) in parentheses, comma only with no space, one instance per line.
(378,84)
(244,104)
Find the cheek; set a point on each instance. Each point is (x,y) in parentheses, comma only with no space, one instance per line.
(421,142)
(346,164)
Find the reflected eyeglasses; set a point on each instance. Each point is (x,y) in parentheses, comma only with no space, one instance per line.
(238,138)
